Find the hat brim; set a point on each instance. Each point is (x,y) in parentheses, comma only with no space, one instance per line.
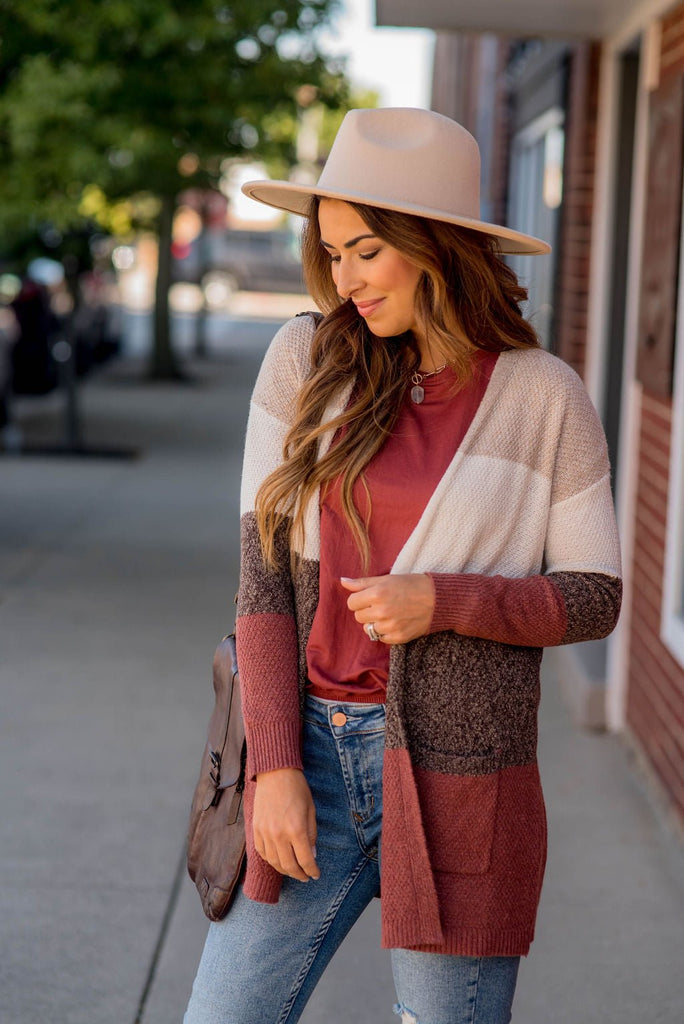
(284,195)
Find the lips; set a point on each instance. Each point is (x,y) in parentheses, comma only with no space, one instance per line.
(367,309)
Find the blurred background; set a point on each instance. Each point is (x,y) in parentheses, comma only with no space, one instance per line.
(138,292)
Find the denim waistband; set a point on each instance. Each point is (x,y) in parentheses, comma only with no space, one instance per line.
(357,715)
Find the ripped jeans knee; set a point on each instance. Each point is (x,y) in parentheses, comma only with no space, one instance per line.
(407,1016)
(436,988)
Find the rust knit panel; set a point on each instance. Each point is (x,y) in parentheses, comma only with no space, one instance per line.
(536,611)
(488,912)
(267,654)
(530,612)
(262,882)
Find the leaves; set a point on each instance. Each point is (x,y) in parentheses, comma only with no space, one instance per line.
(115,94)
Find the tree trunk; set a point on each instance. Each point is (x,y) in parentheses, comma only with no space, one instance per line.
(164,365)
(201,318)
(66,365)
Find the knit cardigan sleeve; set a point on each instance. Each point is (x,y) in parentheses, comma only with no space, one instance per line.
(537,611)
(266,633)
(577,595)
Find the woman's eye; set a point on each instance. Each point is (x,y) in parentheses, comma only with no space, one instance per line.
(362,256)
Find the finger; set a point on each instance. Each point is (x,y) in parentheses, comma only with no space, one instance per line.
(382,630)
(354,584)
(312,826)
(364,616)
(306,861)
(385,634)
(287,863)
(360,602)
(270,855)
(312,831)
(293,869)
(362,583)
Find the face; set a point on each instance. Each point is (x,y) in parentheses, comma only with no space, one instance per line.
(376,277)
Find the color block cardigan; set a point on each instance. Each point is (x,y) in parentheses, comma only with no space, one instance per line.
(522,519)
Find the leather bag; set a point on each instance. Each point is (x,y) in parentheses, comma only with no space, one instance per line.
(216,833)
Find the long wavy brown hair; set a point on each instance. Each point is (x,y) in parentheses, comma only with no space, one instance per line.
(467,298)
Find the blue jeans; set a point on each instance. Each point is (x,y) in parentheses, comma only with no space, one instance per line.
(262,962)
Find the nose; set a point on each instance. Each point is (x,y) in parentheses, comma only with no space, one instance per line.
(346,279)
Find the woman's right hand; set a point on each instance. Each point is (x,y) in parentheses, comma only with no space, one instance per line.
(285,823)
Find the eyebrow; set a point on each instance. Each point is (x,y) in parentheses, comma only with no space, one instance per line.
(351,243)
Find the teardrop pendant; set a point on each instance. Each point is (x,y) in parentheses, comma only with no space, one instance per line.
(417,394)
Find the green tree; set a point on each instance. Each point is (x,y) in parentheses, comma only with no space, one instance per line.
(137,97)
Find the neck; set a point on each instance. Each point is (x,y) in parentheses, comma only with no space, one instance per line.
(431,361)
(431,358)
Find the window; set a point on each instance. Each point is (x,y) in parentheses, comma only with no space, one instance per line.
(536,193)
(672,626)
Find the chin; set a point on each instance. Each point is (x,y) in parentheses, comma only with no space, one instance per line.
(389,330)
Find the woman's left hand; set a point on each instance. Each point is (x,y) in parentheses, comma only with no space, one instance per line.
(400,607)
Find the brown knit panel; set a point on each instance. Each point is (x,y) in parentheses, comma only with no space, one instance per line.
(262,590)
(306,576)
(469,706)
(592,603)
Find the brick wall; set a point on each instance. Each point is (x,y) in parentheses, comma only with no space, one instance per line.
(655,696)
(578,198)
(672,43)
(655,703)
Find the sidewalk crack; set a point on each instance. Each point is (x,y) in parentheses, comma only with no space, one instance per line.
(171,904)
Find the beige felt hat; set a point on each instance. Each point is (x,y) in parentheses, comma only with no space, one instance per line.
(406,159)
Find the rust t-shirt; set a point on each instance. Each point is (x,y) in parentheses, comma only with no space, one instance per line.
(343,664)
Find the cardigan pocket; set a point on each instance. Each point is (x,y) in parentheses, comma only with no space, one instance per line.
(459,816)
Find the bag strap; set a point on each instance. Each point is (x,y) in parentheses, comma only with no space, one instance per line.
(315,315)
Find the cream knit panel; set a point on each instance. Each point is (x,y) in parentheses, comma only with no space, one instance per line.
(537,412)
(534,458)
(280,378)
(521,414)
(285,367)
(283,372)
(582,533)
(263,453)
(487,515)
(581,451)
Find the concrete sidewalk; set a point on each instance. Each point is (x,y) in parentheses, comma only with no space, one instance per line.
(117,579)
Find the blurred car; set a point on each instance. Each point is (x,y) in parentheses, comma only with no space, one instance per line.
(257,261)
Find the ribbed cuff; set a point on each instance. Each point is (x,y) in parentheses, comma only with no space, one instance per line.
(272,745)
(405,934)
(457,598)
(262,883)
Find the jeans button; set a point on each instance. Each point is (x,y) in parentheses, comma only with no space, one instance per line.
(339,718)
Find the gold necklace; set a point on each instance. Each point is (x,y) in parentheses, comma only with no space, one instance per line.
(418,392)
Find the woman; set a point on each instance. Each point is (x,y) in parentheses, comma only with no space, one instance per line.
(425,505)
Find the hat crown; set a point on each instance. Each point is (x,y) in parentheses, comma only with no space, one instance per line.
(406,159)
(405,155)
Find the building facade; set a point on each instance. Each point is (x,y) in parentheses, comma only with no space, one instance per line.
(582,135)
